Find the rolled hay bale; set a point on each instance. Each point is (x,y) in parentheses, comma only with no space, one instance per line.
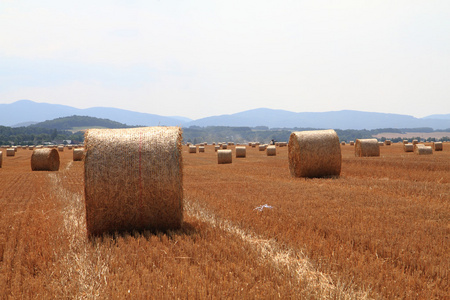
(387,142)
(380,144)
(133,179)
(262,147)
(224,146)
(437,146)
(15,149)
(408,147)
(30,147)
(69,147)
(405,142)
(45,160)
(60,148)
(415,142)
(216,147)
(271,150)
(224,156)
(241,151)
(343,143)
(201,149)
(352,143)
(423,150)
(78,154)
(192,149)
(367,147)
(418,146)
(10,152)
(314,153)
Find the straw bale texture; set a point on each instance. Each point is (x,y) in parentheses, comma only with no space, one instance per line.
(314,153)
(262,147)
(437,146)
(387,142)
(60,148)
(78,154)
(192,149)
(133,179)
(241,151)
(224,156)
(10,152)
(45,160)
(405,142)
(271,150)
(423,150)
(201,149)
(408,147)
(415,142)
(380,144)
(367,147)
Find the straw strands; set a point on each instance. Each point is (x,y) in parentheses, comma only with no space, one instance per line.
(314,153)
(224,156)
(78,154)
(241,151)
(45,160)
(133,179)
(367,147)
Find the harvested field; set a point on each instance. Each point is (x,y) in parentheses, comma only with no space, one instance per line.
(380,230)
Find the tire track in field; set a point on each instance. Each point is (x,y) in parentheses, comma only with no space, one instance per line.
(83,269)
(316,282)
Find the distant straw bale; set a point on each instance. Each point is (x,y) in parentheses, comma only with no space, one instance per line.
(367,147)
(45,160)
(10,152)
(241,151)
(437,146)
(271,150)
(314,153)
(133,179)
(60,148)
(224,156)
(414,142)
(405,142)
(408,147)
(201,149)
(262,147)
(352,143)
(380,144)
(31,147)
(192,149)
(216,147)
(423,150)
(343,143)
(78,154)
(387,142)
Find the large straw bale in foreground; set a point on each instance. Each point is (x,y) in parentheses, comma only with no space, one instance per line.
(367,147)
(314,153)
(224,156)
(78,154)
(45,160)
(241,151)
(133,179)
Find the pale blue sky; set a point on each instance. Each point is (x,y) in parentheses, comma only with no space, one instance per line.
(202,58)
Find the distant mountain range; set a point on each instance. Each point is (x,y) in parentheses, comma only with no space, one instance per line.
(26,112)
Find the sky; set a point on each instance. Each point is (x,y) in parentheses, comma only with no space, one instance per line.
(203,58)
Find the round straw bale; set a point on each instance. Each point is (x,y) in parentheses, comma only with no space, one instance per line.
(343,143)
(60,148)
(271,150)
(380,144)
(45,160)
(224,146)
(241,151)
(224,156)
(408,147)
(69,147)
(78,154)
(30,147)
(367,147)
(405,142)
(10,152)
(437,146)
(15,149)
(216,147)
(262,147)
(201,149)
(352,143)
(133,179)
(415,142)
(387,142)
(192,149)
(314,153)
(423,150)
